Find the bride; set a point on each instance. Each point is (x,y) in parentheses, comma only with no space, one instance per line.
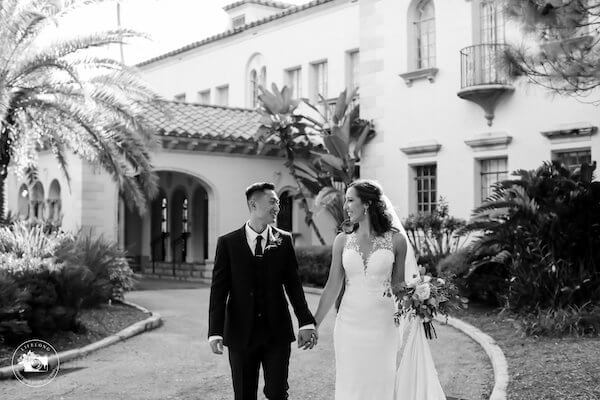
(370,260)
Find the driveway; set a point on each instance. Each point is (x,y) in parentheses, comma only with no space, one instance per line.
(175,362)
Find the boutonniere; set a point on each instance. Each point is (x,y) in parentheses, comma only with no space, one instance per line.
(275,240)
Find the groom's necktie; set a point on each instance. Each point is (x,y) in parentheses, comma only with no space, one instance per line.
(258,251)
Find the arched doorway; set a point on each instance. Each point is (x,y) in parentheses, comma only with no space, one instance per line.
(159,244)
(23,202)
(37,201)
(54,202)
(286,211)
(133,234)
(179,225)
(199,235)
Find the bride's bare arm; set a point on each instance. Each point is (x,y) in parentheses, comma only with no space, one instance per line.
(334,281)
(400,244)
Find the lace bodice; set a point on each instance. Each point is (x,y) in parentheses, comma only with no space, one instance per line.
(373,270)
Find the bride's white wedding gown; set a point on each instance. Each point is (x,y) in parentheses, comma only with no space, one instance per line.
(366,340)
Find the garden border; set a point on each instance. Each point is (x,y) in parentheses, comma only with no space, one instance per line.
(150,323)
(493,351)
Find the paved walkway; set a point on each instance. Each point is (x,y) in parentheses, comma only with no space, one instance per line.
(174,361)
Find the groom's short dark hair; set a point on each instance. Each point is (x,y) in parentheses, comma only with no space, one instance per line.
(258,187)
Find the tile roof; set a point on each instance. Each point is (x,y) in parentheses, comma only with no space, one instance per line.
(215,124)
(276,4)
(191,120)
(231,32)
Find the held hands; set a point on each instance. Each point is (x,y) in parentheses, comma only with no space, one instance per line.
(307,338)
(217,346)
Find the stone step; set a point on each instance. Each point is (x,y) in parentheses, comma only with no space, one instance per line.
(176,278)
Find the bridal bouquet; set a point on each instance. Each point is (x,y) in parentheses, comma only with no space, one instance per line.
(425,297)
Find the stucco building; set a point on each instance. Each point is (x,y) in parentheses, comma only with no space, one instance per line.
(449,122)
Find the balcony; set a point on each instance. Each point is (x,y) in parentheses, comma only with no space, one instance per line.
(483,80)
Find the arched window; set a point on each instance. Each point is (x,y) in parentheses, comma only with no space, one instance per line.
(263,76)
(424,28)
(254,88)
(491,22)
(256,74)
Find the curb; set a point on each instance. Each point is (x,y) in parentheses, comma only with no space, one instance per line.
(493,351)
(152,322)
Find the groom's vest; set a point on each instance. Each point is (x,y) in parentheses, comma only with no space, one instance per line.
(260,331)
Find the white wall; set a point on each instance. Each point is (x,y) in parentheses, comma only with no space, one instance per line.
(323,32)
(433,111)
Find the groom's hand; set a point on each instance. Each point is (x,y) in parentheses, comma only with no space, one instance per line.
(216,346)
(307,338)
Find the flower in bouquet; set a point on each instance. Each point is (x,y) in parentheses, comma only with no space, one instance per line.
(425,297)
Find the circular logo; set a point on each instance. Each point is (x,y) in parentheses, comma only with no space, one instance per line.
(35,363)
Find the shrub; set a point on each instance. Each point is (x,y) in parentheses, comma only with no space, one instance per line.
(13,309)
(107,263)
(434,235)
(21,240)
(313,264)
(541,232)
(584,321)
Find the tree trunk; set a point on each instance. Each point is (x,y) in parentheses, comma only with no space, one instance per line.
(2,199)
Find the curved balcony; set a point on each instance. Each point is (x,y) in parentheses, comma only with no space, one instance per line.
(483,79)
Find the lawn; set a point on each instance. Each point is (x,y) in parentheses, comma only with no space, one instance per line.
(98,322)
(541,367)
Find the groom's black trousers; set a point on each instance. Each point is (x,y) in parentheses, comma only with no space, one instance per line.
(245,365)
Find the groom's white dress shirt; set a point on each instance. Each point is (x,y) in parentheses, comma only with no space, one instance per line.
(251,236)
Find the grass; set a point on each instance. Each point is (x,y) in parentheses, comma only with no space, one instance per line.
(541,367)
(98,322)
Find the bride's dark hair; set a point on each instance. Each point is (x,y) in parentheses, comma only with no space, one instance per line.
(369,192)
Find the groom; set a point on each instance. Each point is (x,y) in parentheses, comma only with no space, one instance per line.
(248,310)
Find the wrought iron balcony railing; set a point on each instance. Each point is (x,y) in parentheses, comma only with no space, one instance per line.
(481,64)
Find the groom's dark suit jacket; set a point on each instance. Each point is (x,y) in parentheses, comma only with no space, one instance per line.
(236,286)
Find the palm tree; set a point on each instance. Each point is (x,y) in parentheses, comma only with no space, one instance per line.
(61,97)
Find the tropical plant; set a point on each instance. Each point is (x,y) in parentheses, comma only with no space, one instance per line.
(110,272)
(22,239)
(542,232)
(434,235)
(59,96)
(302,134)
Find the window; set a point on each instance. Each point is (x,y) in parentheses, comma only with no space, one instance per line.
(223,95)
(256,75)
(352,70)
(425,34)
(319,84)
(163,215)
(491,22)
(573,159)
(180,97)
(238,22)
(184,216)
(254,88)
(204,97)
(293,80)
(426,187)
(492,170)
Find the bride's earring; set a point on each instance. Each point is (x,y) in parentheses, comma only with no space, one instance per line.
(365,211)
